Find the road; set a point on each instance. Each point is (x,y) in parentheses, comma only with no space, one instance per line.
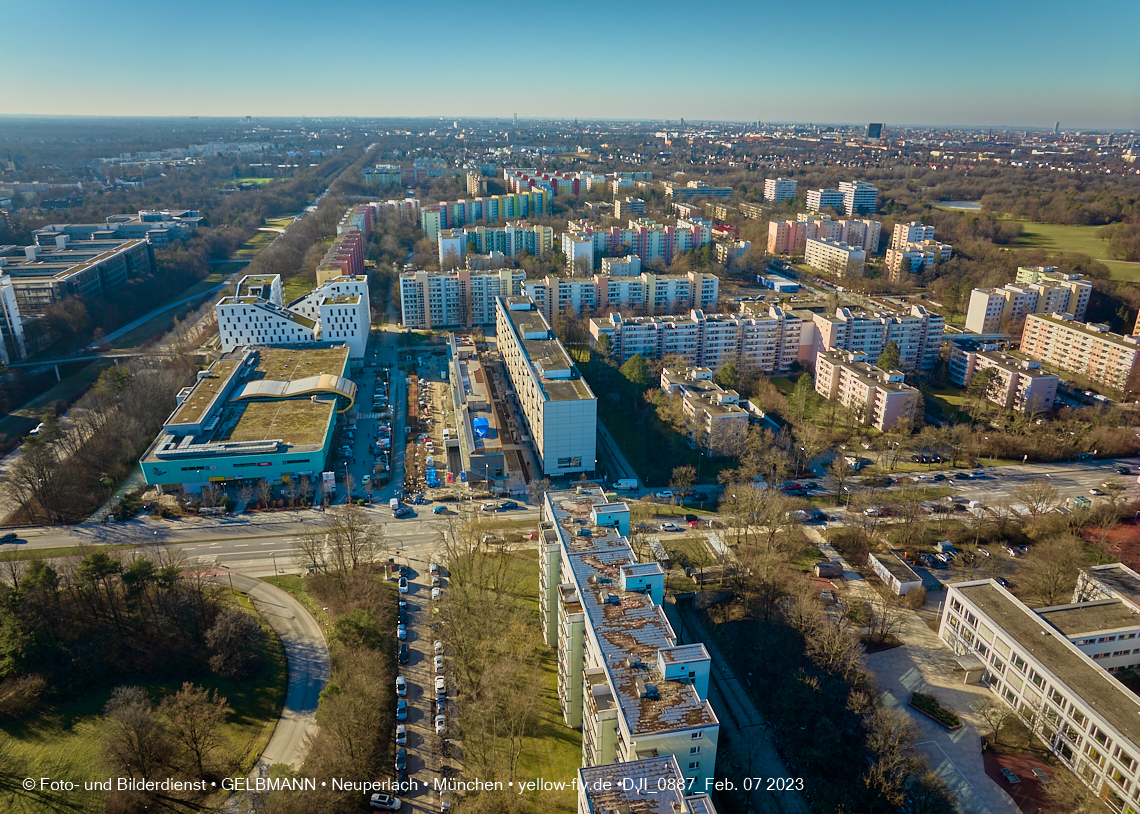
(1071,479)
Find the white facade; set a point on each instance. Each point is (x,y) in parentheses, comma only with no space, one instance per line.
(779,189)
(1052,667)
(818,199)
(913,232)
(560,410)
(859,198)
(337,311)
(12,348)
(461,298)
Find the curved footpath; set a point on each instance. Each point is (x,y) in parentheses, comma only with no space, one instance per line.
(307,657)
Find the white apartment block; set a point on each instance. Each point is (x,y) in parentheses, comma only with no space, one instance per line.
(1053,667)
(12,347)
(881,398)
(624,678)
(729,252)
(858,198)
(770,343)
(628,266)
(779,189)
(1087,349)
(1037,291)
(918,334)
(560,410)
(629,208)
(862,232)
(913,232)
(835,257)
(818,199)
(455,299)
(915,258)
(718,424)
(1020,384)
(648,291)
(337,311)
(512,239)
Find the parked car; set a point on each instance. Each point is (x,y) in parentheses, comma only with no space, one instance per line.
(433,568)
(401,734)
(1003,582)
(985,552)
(435,593)
(440,724)
(403,658)
(385,802)
(440,684)
(402,709)
(439,664)
(403,585)
(401,632)
(441,703)
(689,518)
(664,494)
(670,527)
(401,687)
(1095,491)
(401,759)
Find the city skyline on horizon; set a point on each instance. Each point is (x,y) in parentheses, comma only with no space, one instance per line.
(1016,62)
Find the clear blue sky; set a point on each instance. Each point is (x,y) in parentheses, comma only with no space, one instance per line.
(969,62)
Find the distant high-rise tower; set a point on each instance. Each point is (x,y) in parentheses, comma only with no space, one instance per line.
(874,130)
(516,121)
(1057,129)
(682,122)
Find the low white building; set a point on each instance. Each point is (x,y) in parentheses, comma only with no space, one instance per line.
(1053,667)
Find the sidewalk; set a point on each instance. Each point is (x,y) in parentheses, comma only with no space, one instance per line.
(925,664)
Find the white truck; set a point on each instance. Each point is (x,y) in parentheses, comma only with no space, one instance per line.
(625,483)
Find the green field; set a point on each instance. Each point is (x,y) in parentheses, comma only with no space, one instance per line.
(259,181)
(1076,239)
(252,247)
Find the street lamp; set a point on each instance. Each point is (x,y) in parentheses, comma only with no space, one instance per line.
(273,554)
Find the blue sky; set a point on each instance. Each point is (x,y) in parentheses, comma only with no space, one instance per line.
(1000,62)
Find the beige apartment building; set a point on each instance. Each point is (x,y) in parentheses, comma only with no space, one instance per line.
(918,334)
(879,397)
(454,299)
(1020,383)
(719,425)
(835,257)
(1087,349)
(1037,291)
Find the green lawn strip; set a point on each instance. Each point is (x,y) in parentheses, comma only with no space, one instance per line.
(259,181)
(807,559)
(65,740)
(12,552)
(295,586)
(783,384)
(553,751)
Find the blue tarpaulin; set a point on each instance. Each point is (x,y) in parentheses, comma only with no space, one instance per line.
(481,426)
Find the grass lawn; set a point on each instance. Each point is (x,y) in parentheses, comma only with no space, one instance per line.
(1077,239)
(259,181)
(296,286)
(252,247)
(946,402)
(807,559)
(552,750)
(783,384)
(65,739)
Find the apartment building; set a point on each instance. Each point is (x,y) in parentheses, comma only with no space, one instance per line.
(455,299)
(56,267)
(779,189)
(859,198)
(880,398)
(658,293)
(1019,384)
(345,257)
(648,239)
(1053,667)
(483,211)
(403,208)
(383,175)
(337,311)
(158,227)
(560,410)
(862,232)
(917,332)
(990,308)
(12,347)
(629,208)
(623,677)
(913,232)
(771,342)
(628,266)
(835,257)
(729,252)
(1087,349)
(819,199)
(915,258)
(695,189)
(719,211)
(556,183)
(718,424)
(751,210)
(618,787)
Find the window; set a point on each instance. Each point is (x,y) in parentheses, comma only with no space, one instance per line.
(694,764)
(1078,717)
(694,750)
(697,735)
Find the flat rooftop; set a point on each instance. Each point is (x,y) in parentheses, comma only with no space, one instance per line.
(899,569)
(1090,617)
(1082,327)
(1119,579)
(629,628)
(548,356)
(1119,707)
(197,404)
(659,776)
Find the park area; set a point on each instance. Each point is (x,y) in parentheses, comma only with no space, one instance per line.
(1076,239)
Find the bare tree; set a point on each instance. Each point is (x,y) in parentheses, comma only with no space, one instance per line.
(842,471)
(1049,574)
(887,619)
(352,539)
(1038,496)
(195,716)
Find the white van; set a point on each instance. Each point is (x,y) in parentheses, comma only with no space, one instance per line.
(394,504)
(625,483)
